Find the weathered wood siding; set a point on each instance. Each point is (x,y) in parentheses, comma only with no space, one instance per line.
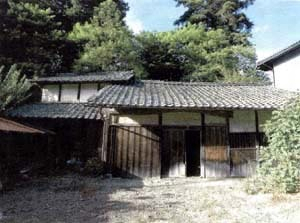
(135,151)
(216,152)
(173,153)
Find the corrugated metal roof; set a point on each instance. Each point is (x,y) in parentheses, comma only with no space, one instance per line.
(182,95)
(113,77)
(11,126)
(56,110)
(278,55)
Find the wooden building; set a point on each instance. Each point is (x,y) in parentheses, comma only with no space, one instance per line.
(176,129)
(155,128)
(63,110)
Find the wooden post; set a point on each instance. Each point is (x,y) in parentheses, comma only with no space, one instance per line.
(161,142)
(228,145)
(257,136)
(59,92)
(202,147)
(79,92)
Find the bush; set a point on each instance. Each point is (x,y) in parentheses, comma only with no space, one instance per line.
(279,170)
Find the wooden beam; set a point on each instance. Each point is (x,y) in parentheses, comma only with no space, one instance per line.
(79,92)
(202,147)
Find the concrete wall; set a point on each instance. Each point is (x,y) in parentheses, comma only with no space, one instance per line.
(287,73)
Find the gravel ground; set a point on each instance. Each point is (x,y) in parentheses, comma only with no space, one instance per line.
(81,199)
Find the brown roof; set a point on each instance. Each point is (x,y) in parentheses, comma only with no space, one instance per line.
(183,95)
(11,126)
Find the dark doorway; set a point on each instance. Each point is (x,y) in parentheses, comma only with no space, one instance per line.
(192,143)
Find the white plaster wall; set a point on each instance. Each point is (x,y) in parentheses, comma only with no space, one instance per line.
(50,93)
(287,74)
(69,92)
(214,120)
(138,119)
(87,90)
(242,121)
(181,118)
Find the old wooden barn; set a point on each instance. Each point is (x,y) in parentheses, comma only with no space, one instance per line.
(155,128)
(176,129)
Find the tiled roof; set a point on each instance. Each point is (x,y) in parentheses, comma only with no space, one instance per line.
(181,95)
(279,54)
(114,77)
(56,110)
(10,126)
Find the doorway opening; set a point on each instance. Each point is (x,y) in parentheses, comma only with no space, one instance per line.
(192,144)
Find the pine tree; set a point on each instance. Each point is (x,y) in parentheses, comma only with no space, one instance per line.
(14,88)
(215,14)
(34,33)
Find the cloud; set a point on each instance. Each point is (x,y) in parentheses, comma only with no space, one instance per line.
(134,23)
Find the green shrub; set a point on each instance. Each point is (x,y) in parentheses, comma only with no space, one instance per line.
(279,170)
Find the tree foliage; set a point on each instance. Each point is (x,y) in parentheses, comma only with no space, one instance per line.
(14,88)
(279,170)
(107,42)
(192,53)
(34,33)
(217,14)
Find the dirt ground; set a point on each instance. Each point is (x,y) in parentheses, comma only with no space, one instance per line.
(81,199)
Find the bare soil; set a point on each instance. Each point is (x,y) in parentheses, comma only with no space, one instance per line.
(82,199)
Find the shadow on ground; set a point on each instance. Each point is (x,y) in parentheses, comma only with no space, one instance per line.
(70,198)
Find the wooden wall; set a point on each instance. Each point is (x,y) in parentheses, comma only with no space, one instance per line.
(135,151)
(73,138)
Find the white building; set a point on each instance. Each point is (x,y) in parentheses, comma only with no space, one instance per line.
(284,67)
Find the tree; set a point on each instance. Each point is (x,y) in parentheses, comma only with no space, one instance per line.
(34,33)
(192,53)
(107,42)
(14,88)
(216,14)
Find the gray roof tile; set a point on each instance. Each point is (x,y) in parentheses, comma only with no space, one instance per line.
(56,110)
(112,77)
(183,95)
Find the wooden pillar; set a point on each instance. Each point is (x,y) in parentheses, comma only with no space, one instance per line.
(59,92)
(79,92)
(228,145)
(257,136)
(202,147)
(161,142)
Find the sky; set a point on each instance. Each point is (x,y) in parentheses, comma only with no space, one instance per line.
(276,22)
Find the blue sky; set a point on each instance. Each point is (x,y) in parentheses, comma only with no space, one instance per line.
(277,22)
